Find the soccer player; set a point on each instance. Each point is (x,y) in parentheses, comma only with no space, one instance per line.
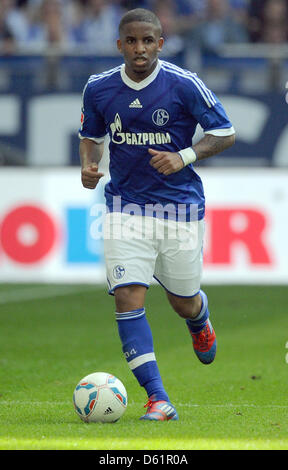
(150,108)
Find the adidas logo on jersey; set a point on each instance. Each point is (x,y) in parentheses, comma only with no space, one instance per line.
(135,104)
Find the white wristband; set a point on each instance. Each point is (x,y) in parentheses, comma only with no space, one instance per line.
(188,155)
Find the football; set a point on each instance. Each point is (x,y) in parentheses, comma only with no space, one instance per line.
(100,398)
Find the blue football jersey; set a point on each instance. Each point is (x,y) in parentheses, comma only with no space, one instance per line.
(161,112)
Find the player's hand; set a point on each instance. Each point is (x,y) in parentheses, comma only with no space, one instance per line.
(90,176)
(166,162)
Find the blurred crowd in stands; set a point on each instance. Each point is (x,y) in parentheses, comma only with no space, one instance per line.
(91,26)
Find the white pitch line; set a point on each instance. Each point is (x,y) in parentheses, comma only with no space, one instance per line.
(222,405)
(35,403)
(20,295)
(231,405)
(187,405)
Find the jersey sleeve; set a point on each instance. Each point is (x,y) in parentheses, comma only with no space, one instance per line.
(92,122)
(206,108)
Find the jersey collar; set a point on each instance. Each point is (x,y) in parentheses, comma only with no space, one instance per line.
(143,83)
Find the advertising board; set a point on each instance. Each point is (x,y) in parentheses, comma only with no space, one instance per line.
(50,226)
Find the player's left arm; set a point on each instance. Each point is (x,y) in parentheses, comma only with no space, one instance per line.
(209,113)
(211,145)
(171,162)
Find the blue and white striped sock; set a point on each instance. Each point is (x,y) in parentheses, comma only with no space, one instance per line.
(137,346)
(197,324)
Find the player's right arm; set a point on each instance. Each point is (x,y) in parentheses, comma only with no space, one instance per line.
(90,156)
(92,134)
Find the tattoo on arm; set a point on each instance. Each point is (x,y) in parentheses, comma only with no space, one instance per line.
(211,145)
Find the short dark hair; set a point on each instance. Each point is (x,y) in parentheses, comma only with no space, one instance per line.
(141,15)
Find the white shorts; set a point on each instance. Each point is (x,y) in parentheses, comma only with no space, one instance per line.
(138,248)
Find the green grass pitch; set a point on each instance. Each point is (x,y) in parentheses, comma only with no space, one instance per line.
(52,336)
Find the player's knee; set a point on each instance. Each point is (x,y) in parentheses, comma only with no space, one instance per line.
(186,307)
(129,298)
